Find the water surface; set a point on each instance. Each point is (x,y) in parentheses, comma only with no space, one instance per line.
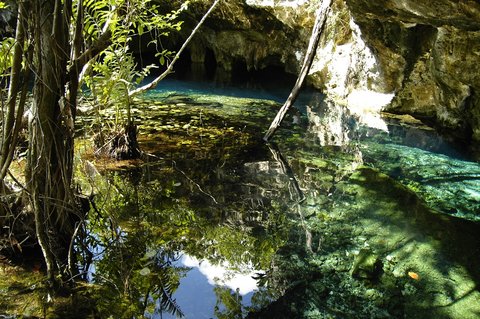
(343,216)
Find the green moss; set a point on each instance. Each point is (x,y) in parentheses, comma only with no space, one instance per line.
(341,27)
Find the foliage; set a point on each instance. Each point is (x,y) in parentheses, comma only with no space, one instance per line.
(229,304)
(115,72)
(135,247)
(6,56)
(59,41)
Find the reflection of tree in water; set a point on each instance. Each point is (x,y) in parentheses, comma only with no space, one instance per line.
(146,217)
(134,266)
(248,210)
(238,210)
(230,304)
(331,124)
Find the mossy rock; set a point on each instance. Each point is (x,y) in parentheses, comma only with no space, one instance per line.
(367,265)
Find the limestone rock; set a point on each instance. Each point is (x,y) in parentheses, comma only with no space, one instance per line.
(423,53)
(428,53)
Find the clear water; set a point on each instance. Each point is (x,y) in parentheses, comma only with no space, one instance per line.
(336,219)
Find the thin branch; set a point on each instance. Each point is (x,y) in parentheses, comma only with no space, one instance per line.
(83,62)
(196,184)
(169,69)
(100,45)
(287,170)
(71,268)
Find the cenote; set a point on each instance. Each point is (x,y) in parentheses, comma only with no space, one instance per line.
(342,216)
(347,212)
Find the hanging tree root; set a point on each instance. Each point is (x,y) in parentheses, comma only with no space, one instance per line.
(17,228)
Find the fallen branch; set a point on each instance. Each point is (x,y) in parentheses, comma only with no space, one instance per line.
(307,63)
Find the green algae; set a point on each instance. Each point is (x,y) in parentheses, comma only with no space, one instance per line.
(377,214)
(448,185)
(22,292)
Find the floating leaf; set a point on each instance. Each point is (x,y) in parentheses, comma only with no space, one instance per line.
(145,271)
(413,275)
(150,253)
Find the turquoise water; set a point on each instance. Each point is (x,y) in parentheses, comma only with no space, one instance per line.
(335,219)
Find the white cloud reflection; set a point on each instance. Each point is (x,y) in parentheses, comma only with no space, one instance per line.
(223,276)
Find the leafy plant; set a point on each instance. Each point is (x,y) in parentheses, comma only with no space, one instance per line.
(114,73)
(6,56)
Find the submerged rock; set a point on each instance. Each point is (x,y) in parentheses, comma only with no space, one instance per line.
(367,265)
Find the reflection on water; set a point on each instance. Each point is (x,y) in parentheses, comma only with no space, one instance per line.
(242,282)
(207,281)
(337,220)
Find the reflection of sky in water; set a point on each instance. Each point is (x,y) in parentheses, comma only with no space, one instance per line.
(219,275)
(196,296)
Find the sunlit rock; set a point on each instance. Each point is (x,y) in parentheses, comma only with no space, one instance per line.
(425,53)
(361,101)
(331,123)
(344,62)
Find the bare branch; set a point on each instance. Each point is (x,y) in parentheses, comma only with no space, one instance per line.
(307,62)
(169,70)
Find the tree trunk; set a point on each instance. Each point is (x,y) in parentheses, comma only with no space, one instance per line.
(307,63)
(12,122)
(49,169)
